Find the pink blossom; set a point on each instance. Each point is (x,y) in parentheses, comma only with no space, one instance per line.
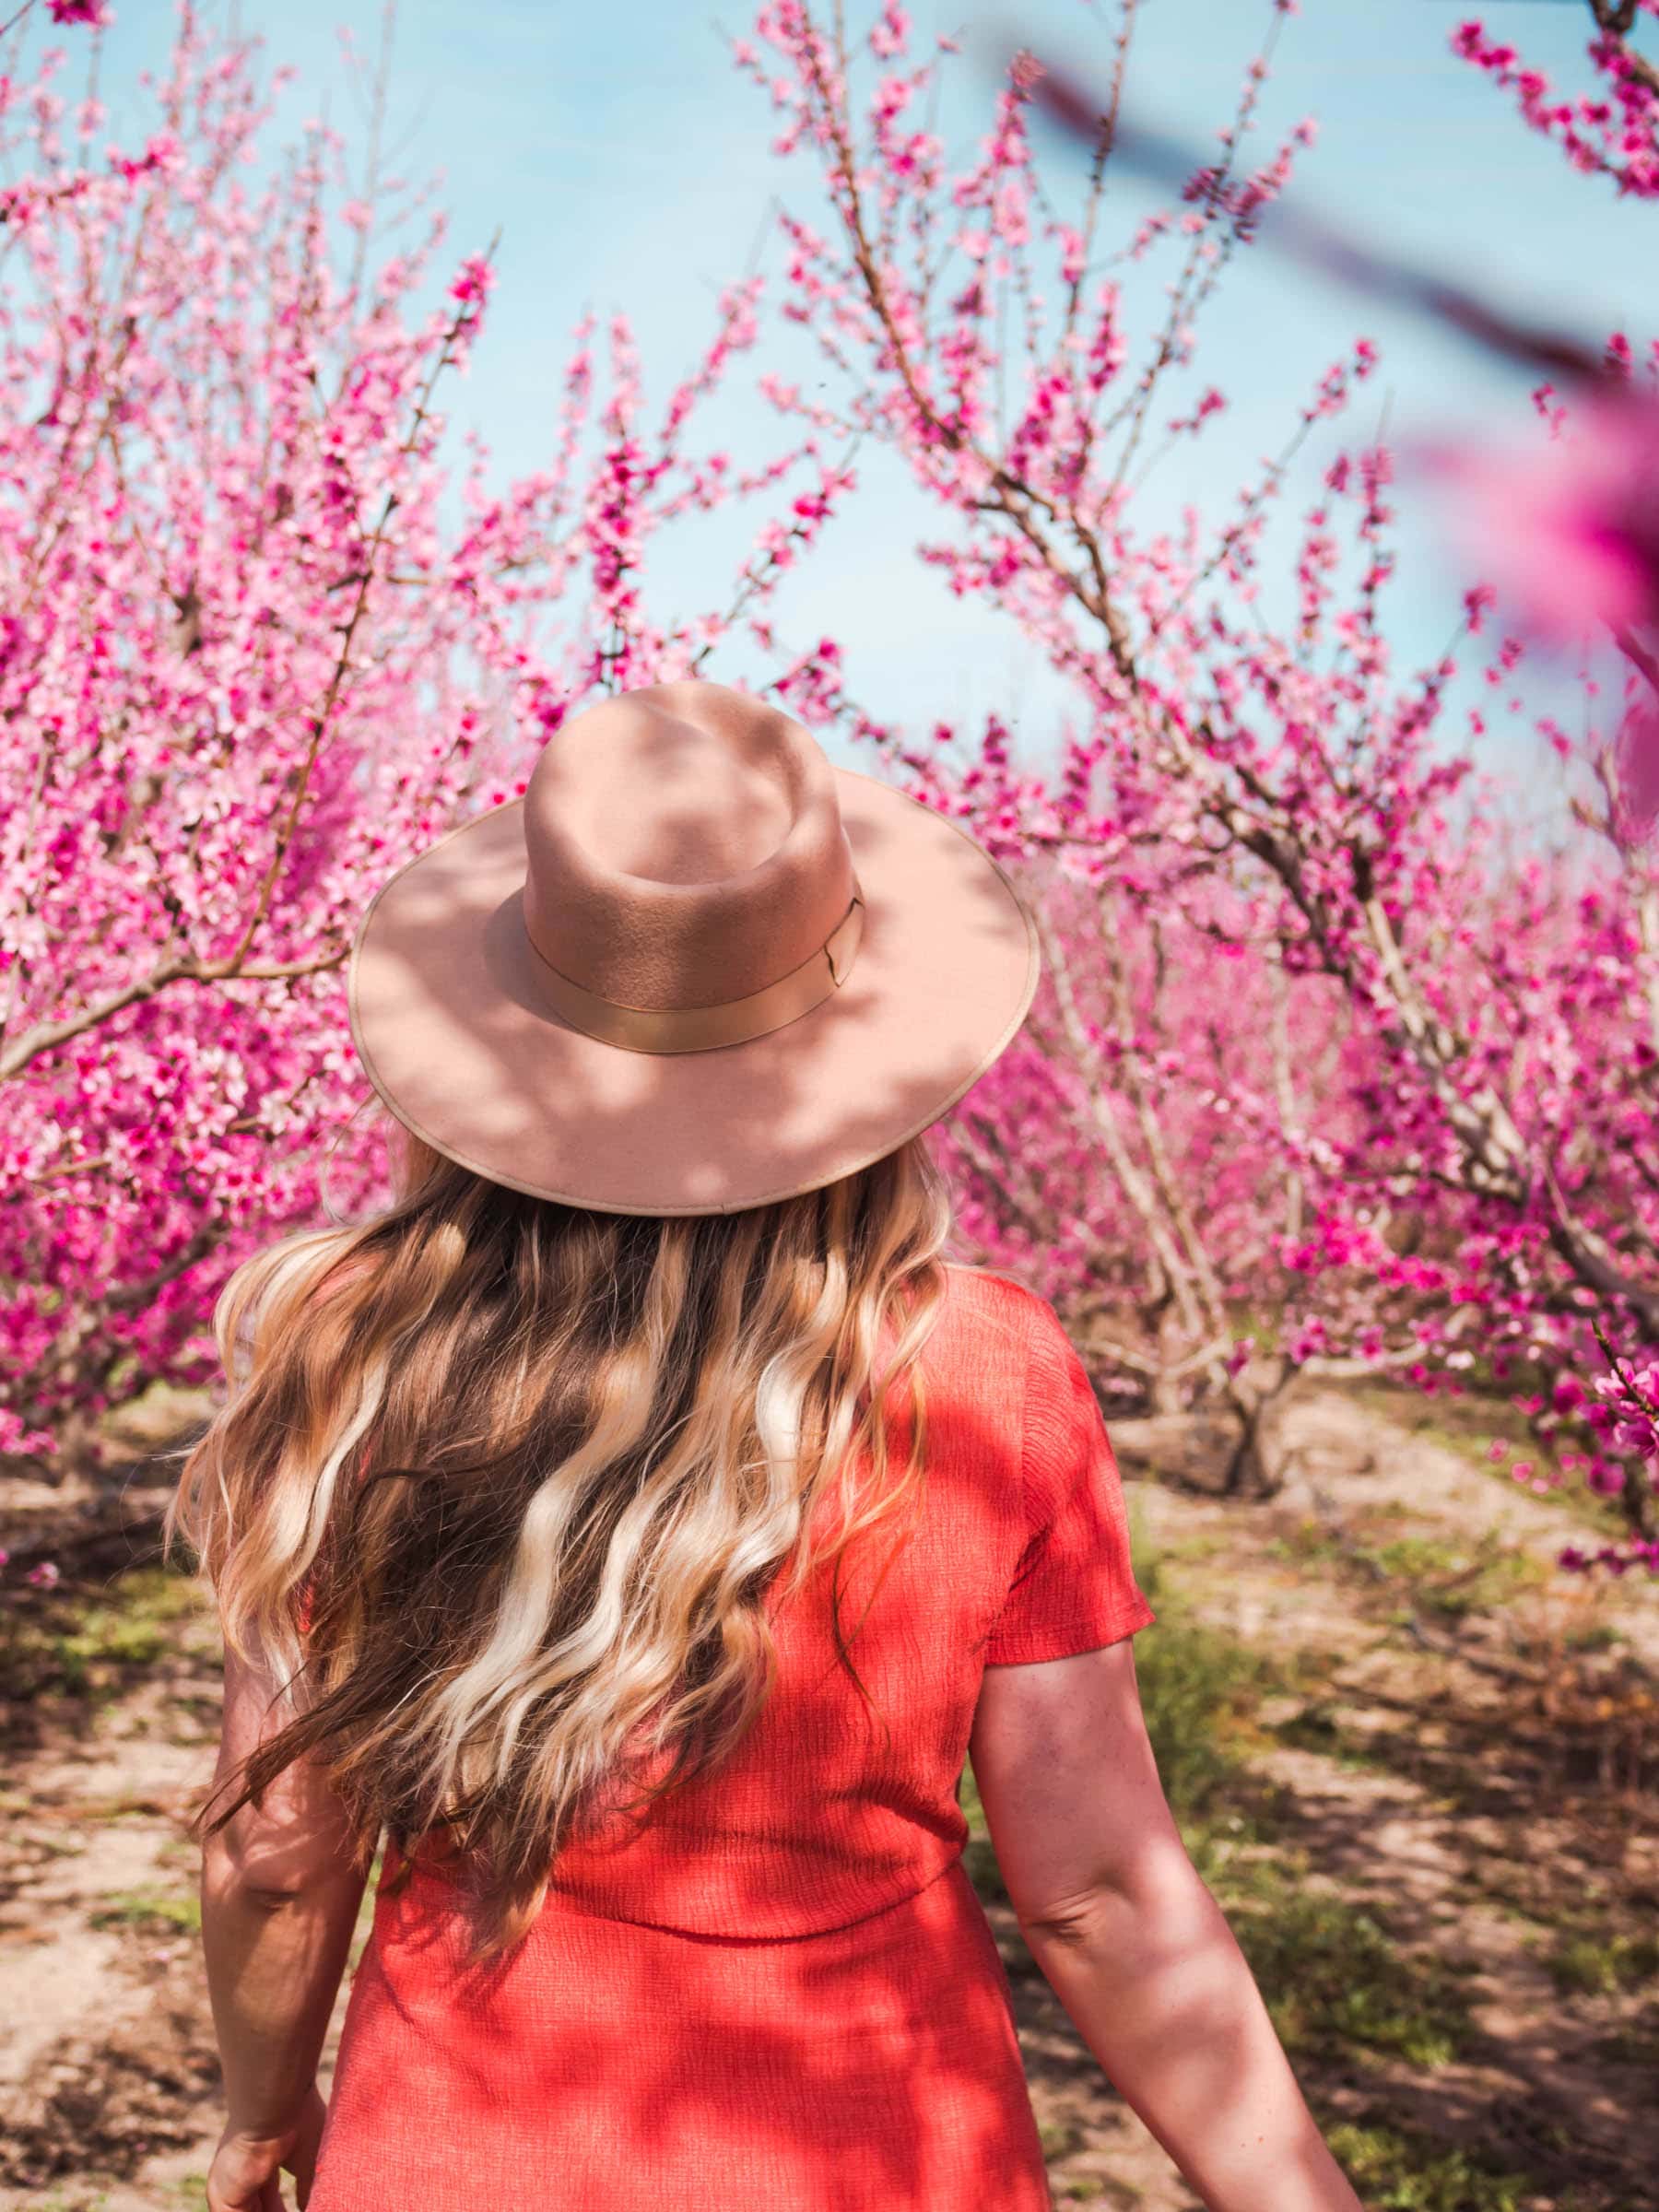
(1570,531)
(1312,1033)
(1636,772)
(267,633)
(1306,993)
(473,282)
(1609,130)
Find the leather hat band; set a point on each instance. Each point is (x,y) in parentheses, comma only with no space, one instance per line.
(703,1028)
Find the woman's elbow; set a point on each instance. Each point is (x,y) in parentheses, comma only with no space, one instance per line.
(1132,1895)
(265,1869)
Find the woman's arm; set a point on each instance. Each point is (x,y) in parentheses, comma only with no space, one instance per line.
(280,1889)
(1131,1939)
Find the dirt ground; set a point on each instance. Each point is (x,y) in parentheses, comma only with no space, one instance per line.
(1417,1765)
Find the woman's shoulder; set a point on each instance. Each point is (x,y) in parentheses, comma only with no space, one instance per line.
(1014,1370)
(987,1291)
(1004,1373)
(990,1324)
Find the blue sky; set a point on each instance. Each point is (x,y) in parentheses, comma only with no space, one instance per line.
(627,165)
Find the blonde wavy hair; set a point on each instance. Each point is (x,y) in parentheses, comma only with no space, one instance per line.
(500,1486)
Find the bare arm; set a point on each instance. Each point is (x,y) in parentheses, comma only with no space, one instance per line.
(280,1890)
(1131,1939)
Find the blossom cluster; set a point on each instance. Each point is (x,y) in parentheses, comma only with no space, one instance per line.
(270,626)
(1324,1064)
(1612,131)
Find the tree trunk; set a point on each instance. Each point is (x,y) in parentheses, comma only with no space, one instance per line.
(1261,1458)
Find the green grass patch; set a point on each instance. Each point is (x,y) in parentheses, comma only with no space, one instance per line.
(1594,1636)
(979,1854)
(1467,1423)
(1200,1689)
(74,1643)
(1398,2170)
(1318,1727)
(1191,1549)
(1077,2188)
(1447,1577)
(1332,1974)
(1060,2137)
(1603,1966)
(1329,1970)
(155,1911)
(162,1416)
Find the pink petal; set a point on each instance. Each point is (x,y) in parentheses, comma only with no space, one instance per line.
(1636,761)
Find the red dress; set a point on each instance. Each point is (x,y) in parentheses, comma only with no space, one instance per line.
(780,1994)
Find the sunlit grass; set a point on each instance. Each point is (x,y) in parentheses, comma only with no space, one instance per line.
(1398,2170)
(1452,1577)
(1334,1974)
(1603,1965)
(156,1912)
(71,1642)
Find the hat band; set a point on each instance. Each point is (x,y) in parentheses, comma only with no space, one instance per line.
(705,1029)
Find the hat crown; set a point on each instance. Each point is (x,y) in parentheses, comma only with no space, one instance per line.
(683,847)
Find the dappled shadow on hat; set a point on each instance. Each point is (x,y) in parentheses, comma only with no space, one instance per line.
(691,832)
(455,1031)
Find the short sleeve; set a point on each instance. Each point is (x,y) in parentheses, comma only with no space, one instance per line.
(1074,1588)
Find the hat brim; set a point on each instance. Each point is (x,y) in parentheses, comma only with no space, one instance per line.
(452,1032)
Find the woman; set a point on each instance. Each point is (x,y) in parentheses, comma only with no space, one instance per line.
(636,1525)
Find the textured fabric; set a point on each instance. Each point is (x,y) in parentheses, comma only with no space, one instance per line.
(779,1990)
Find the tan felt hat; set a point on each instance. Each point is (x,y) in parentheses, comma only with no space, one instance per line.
(695,967)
